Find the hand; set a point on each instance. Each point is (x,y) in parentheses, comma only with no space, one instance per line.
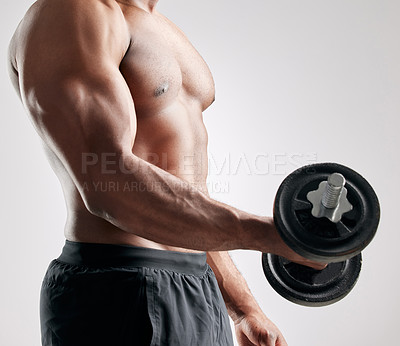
(282,249)
(292,256)
(256,329)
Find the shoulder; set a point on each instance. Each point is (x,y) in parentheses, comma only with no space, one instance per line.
(108,10)
(104,12)
(78,22)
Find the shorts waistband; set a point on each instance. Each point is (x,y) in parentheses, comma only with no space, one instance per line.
(110,255)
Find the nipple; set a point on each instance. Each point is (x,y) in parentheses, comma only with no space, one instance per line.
(162,89)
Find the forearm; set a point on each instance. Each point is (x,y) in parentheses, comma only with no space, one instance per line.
(156,205)
(237,296)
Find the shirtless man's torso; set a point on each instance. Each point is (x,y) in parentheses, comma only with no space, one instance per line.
(117,94)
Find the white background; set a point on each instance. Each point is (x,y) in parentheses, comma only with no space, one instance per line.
(297,82)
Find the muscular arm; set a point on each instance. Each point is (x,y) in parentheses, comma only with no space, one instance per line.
(68,58)
(252,327)
(80,103)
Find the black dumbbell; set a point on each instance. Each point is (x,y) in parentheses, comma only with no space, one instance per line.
(325,212)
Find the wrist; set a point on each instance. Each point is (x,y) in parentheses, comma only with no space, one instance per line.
(259,233)
(248,306)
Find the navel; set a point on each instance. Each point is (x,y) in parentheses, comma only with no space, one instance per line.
(162,89)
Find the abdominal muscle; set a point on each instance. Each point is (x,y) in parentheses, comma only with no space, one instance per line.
(177,143)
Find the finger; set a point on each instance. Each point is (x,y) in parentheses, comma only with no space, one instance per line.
(268,339)
(311,264)
(281,341)
(243,340)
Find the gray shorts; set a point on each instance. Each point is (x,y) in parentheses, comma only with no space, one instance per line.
(116,295)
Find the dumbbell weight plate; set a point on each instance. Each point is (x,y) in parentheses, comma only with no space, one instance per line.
(309,287)
(318,238)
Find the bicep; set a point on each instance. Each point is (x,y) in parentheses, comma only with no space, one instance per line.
(76,117)
(71,84)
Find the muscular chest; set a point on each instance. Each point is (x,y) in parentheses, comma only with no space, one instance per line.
(162,66)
